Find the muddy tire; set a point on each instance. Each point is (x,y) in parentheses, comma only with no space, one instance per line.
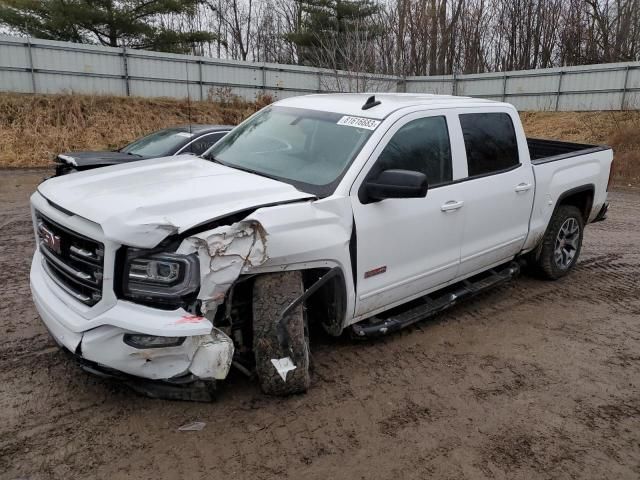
(271,294)
(561,244)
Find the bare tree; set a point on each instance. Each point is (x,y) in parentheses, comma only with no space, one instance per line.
(421,37)
(347,56)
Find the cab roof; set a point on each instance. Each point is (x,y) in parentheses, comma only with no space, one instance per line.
(351,103)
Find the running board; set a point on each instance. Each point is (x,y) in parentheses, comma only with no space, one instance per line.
(376,327)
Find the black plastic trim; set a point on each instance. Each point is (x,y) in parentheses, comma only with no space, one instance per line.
(590,187)
(185,387)
(281,321)
(602,214)
(488,174)
(572,150)
(353,253)
(58,207)
(564,156)
(449,296)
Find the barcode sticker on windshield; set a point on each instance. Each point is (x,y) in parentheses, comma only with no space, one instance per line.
(359,122)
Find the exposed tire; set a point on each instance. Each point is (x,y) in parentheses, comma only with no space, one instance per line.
(561,244)
(271,294)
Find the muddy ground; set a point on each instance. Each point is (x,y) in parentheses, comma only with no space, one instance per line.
(532,380)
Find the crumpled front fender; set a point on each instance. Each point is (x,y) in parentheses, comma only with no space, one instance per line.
(224,252)
(295,236)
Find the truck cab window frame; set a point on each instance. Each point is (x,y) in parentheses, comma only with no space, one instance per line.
(490,143)
(420,145)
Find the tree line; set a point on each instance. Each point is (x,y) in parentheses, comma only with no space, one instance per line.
(399,37)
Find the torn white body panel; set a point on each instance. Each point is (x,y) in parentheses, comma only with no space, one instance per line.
(213,357)
(223,253)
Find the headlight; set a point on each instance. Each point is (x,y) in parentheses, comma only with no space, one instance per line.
(161,277)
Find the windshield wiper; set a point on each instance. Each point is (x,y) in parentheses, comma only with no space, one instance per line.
(255,172)
(214,159)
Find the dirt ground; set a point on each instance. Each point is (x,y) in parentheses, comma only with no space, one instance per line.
(532,380)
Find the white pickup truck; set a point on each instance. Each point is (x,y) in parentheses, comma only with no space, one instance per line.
(347,211)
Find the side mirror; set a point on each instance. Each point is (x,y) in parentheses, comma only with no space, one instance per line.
(395,184)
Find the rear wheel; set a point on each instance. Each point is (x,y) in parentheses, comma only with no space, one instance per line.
(271,294)
(561,244)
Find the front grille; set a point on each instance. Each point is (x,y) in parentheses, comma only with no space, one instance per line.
(73,261)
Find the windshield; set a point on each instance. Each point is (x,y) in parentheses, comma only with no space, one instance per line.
(309,149)
(158,144)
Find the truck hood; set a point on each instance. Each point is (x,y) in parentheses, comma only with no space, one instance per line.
(141,203)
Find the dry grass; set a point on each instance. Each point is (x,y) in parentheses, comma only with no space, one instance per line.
(620,130)
(33,128)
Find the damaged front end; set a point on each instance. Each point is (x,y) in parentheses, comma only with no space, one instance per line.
(156,330)
(156,283)
(196,277)
(162,353)
(176,306)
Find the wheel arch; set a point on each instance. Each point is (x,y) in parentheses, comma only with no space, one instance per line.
(327,306)
(580,197)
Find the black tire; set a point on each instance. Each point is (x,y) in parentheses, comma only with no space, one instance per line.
(546,263)
(271,294)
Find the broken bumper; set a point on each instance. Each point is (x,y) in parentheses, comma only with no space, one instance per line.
(205,353)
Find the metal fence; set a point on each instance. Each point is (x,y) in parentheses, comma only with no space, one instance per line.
(42,66)
(611,86)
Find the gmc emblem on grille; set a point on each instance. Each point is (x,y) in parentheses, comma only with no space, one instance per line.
(50,239)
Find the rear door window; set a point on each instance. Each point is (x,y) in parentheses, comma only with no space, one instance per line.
(490,142)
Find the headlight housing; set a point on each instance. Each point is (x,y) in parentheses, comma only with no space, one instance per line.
(160,278)
(137,340)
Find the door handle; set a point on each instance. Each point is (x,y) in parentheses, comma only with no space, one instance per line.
(523,187)
(451,205)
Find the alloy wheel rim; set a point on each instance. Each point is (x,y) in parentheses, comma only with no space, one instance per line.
(566,245)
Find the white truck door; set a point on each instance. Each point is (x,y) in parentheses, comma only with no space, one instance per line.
(407,246)
(498,192)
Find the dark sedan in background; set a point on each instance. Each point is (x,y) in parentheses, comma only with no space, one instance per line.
(194,139)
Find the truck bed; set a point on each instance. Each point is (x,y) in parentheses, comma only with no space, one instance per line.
(543,151)
(583,168)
